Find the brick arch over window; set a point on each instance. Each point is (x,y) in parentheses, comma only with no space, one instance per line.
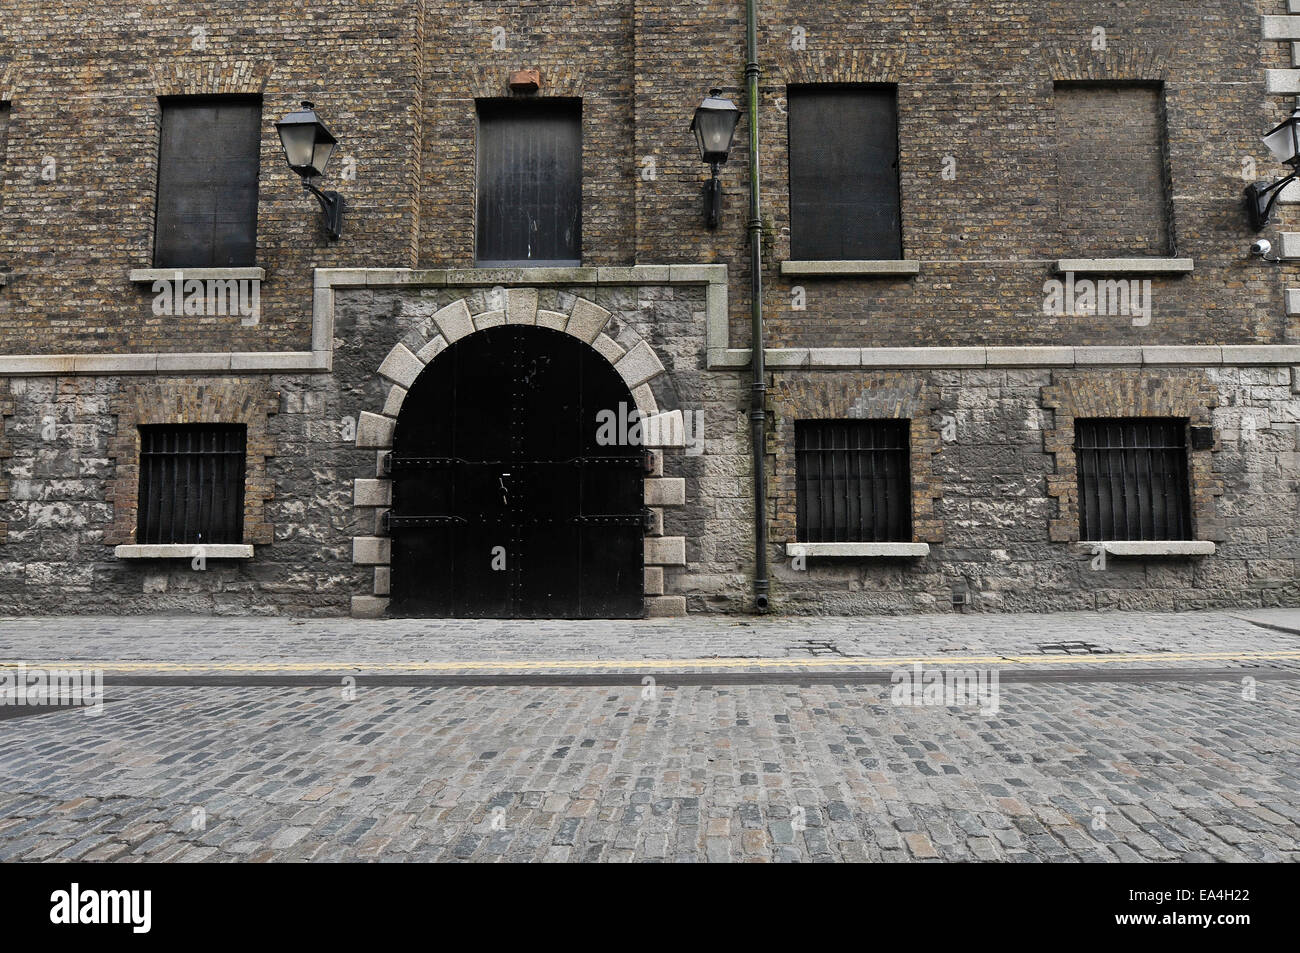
(1118,393)
(850,396)
(1121,61)
(207,401)
(854,66)
(631,356)
(210,76)
(8,82)
(558,80)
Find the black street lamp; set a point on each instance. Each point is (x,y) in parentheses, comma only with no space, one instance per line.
(307,148)
(1284,143)
(714,126)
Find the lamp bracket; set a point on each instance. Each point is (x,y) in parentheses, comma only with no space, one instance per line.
(332,205)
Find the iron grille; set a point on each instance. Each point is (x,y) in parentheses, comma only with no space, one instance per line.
(1133,479)
(853,481)
(191,483)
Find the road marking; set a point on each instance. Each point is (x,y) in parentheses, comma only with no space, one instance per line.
(643,665)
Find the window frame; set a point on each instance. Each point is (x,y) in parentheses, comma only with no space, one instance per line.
(1170,243)
(554,104)
(897,524)
(159,479)
(793,92)
(1106,529)
(162,168)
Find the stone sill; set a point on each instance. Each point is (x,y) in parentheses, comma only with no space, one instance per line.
(184,551)
(881,267)
(1159,547)
(149,275)
(1127,266)
(859,550)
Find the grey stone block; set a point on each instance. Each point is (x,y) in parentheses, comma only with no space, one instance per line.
(454,321)
(586,320)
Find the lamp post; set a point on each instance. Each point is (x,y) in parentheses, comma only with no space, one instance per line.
(307,148)
(714,126)
(1283,142)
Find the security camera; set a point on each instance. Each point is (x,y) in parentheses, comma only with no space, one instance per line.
(1260,248)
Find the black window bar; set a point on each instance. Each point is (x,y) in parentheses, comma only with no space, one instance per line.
(853,481)
(1133,479)
(191,483)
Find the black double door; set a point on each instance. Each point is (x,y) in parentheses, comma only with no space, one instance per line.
(510,499)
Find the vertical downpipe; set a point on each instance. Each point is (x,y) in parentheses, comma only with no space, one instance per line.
(758,403)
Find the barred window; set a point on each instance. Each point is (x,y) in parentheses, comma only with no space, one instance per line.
(853,481)
(1133,479)
(191,483)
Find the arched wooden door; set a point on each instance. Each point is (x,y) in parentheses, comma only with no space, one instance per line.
(509,498)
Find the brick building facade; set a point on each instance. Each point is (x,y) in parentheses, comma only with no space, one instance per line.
(1037,149)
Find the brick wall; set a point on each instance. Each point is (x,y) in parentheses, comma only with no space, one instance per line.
(80,174)
(1111,172)
(397,82)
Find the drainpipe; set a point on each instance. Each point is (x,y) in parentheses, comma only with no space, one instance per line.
(758,403)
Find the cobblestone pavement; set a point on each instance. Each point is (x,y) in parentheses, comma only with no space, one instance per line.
(332,644)
(1192,768)
(1105,772)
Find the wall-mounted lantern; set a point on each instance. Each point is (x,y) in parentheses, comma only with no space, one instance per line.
(714,126)
(1284,143)
(307,148)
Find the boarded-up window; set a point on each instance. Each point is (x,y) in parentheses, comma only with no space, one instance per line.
(529,182)
(207,182)
(844,199)
(1112,173)
(853,481)
(191,483)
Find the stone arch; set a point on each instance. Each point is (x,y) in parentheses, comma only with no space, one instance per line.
(631,357)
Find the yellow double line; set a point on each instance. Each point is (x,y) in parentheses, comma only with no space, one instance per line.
(645,665)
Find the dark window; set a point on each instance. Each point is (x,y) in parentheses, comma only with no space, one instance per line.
(853,481)
(1112,173)
(529,182)
(207,183)
(844,202)
(1133,479)
(191,483)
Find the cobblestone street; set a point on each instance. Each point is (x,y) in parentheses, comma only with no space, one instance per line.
(1097,754)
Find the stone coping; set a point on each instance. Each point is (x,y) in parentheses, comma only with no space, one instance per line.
(863,269)
(184,551)
(859,550)
(1129,266)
